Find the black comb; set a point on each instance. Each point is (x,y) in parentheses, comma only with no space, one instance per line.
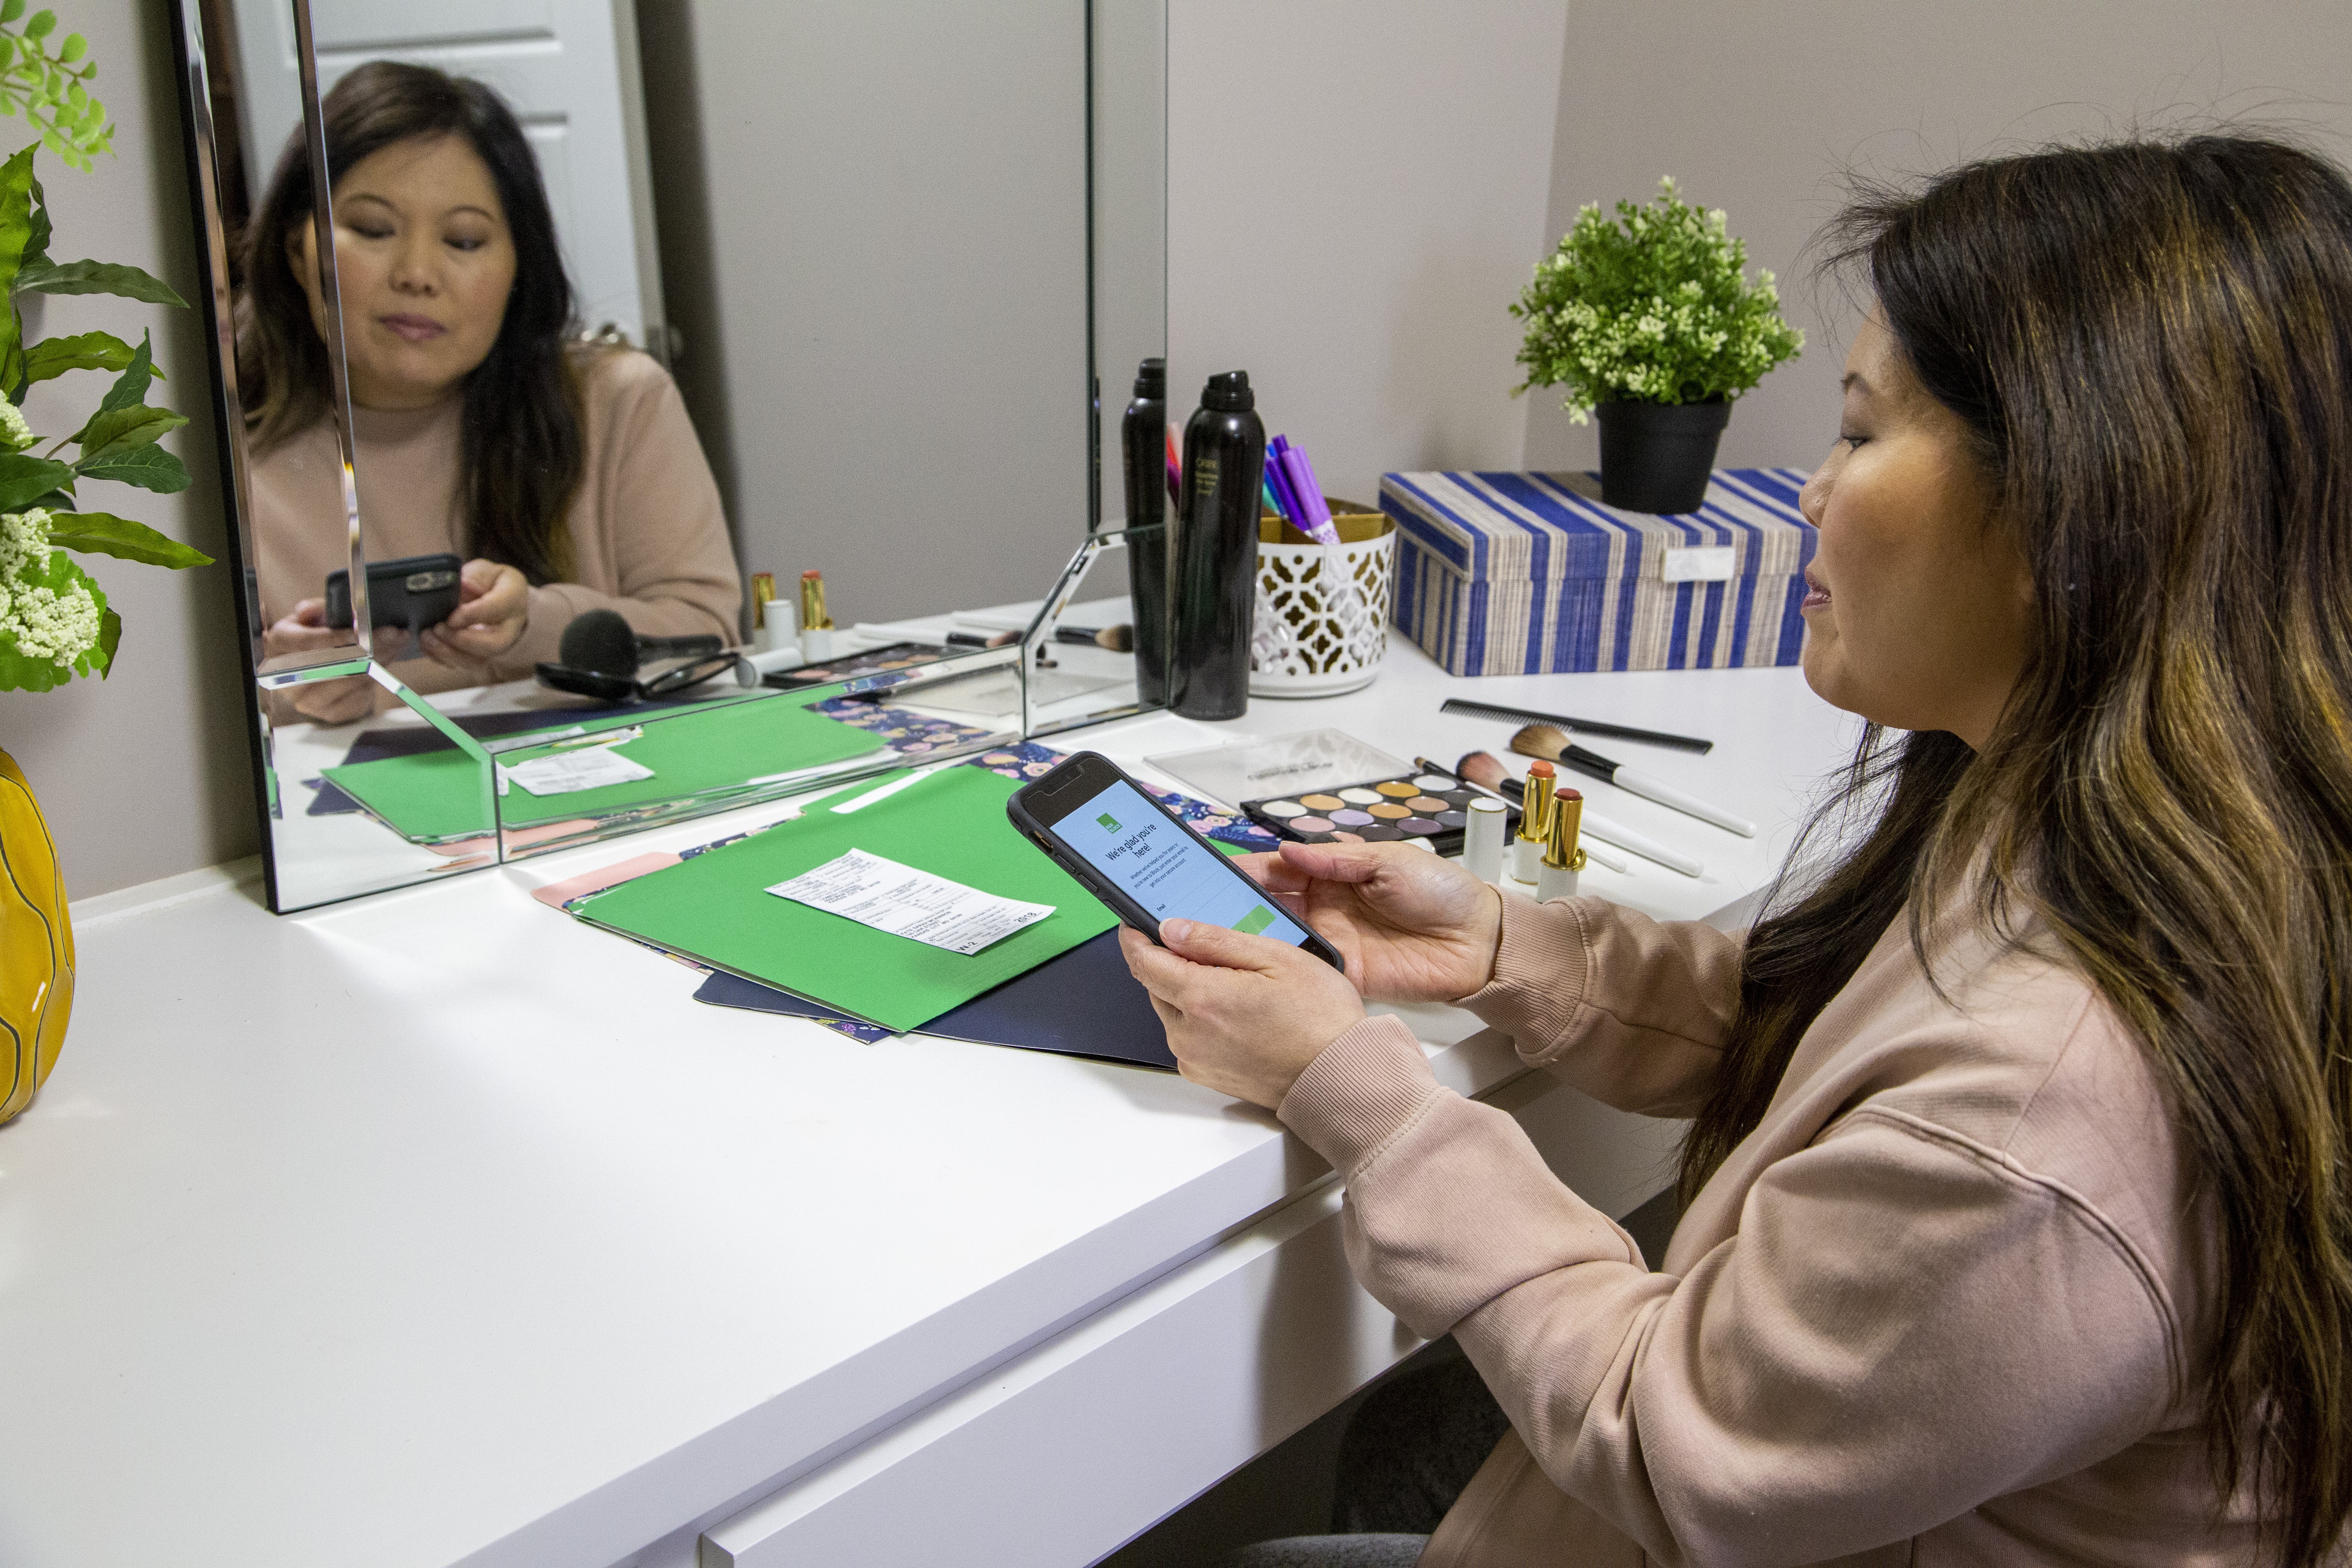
(1506,715)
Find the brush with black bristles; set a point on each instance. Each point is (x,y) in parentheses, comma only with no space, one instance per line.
(1552,744)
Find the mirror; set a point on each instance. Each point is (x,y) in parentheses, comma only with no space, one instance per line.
(612,320)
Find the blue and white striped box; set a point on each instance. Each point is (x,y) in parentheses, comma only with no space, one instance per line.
(1530,574)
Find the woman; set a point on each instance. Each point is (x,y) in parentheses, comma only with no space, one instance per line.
(569,477)
(2018,1219)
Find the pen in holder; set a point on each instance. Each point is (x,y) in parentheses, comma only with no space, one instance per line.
(1321,625)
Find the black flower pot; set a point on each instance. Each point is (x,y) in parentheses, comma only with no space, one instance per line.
(1655,457)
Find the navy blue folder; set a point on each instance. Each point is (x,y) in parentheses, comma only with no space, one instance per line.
(1082,1004)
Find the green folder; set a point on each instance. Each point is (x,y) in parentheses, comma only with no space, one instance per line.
(715,906)
(436,795)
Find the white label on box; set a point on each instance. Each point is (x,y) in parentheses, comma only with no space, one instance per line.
(906,902)
(1697,564)
(565,773)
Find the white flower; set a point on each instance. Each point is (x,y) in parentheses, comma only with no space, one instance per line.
(14,432)
(41,622)
(44,624)
(24,541)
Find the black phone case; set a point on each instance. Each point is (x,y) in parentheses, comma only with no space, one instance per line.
(412,593)
(1027,824)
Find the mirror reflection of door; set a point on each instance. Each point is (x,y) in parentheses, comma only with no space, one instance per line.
(568,70)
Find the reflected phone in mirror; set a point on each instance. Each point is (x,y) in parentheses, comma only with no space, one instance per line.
(1133,854)
(412,593)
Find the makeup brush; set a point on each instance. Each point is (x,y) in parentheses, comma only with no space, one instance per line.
(1552,744)
(1486,770)
(1119,639)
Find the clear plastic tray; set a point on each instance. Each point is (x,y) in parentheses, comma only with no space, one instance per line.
(1277,765)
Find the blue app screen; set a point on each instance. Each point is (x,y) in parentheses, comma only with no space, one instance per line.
(1167,870)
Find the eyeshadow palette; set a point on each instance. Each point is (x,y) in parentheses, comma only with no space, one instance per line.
(1430,806)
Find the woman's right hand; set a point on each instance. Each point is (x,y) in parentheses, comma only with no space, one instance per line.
(1411,927)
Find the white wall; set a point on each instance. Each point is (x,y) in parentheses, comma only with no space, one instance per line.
(144,774)
(1356,189)
(1758,109)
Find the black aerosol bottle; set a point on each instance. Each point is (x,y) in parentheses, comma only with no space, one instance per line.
(1143,438)
(1216,552)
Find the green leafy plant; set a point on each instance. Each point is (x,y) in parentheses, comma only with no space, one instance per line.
(1651,306)
(55,622)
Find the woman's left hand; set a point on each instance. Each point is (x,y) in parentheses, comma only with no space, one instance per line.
(493,609)
(1244,1013)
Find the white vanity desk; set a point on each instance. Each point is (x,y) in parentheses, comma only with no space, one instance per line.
(436,1227)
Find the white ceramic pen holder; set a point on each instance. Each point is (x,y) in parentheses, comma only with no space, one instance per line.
(1322,621)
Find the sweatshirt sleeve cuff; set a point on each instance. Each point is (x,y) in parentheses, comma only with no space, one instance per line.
(1539,974)
(1364,1088)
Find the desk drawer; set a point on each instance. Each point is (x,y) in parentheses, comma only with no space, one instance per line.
(1058,1457)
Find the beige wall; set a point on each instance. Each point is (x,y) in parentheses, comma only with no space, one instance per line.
(1355,187)
(873,225)
(1357,190)
(144,774)
(1757,109)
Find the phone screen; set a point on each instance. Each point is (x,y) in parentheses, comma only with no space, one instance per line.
(1171,873)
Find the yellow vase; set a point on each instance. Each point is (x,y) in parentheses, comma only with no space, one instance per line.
(37,955)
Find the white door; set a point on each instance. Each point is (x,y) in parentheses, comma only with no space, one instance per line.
(569,67)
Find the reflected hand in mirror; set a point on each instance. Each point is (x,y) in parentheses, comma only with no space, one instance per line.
(566,476)
(493,609)
(304,631)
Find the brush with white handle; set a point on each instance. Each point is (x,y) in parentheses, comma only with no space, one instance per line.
(1552,744)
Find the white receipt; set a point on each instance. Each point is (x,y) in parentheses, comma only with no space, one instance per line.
(564,773)
(906,902)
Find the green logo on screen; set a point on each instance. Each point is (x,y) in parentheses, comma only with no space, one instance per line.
(1109,823)
(1256,921)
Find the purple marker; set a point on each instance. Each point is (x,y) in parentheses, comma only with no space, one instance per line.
(1285,497)
(1316,518)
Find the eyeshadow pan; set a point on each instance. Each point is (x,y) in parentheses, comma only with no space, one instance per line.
(1420,825)
(1381,833)
(1434,783)
(1397,788)
(1321,801)
(1426,804)
(1360,796)
(1351,817)
(1392,811)
(1311,824)
(1282,808)
(1454,818)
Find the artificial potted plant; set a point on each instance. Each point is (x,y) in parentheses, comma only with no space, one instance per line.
(1648,320)
(55,623)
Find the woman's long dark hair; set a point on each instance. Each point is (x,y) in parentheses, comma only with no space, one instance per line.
(522,452)
(2150,343)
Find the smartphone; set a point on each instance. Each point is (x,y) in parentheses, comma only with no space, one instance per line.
(412,593)
(1133,854)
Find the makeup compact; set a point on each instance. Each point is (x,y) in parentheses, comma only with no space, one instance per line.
(1426,804)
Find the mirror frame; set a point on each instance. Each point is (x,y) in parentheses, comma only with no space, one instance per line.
(207,201)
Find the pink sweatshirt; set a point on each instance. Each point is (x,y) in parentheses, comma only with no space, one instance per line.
(1945,1305)
(648,538)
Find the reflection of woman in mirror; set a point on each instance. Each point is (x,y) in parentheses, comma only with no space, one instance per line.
(567,477)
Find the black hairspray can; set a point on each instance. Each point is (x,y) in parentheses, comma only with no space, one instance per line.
(1216,552)
(1143,438)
